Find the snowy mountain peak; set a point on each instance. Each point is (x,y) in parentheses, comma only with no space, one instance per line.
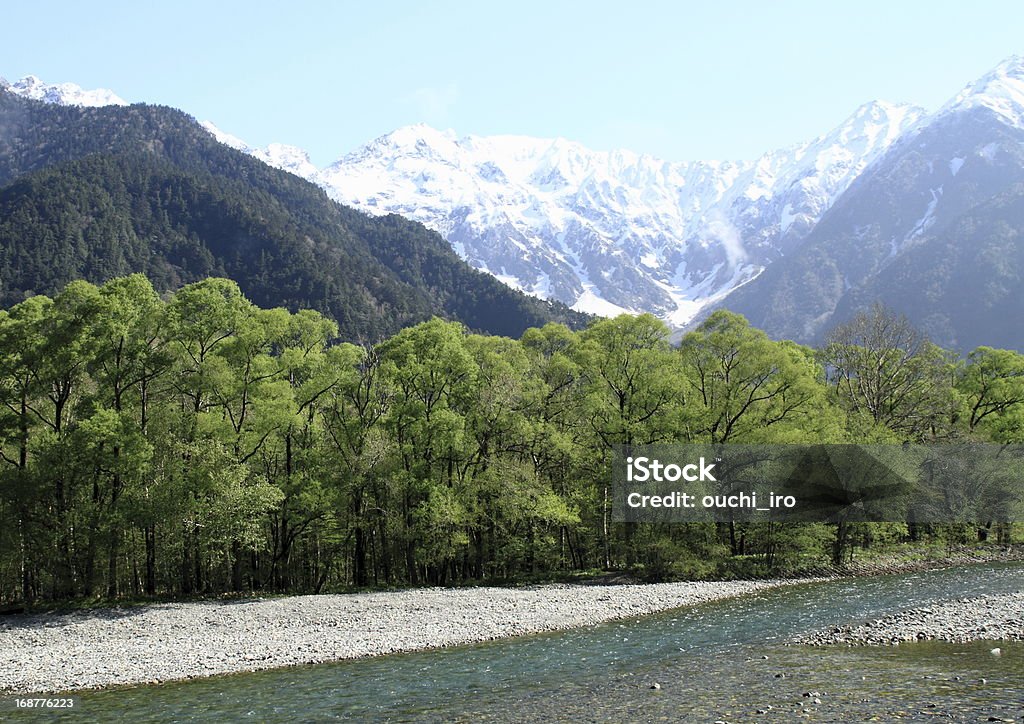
(64,94)
(877,122)
(883,112)
(419,139)
(611,231)
(1001,91)
(289,158)
(418,132)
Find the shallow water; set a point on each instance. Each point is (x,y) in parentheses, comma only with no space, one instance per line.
(709,661)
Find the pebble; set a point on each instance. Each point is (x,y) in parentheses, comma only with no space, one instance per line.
(995,618)
(173,641)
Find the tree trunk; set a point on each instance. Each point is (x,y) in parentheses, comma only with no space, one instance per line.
(186,562)
(150,535)
(236,566)
(115,549)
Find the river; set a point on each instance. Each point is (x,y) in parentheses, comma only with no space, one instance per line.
(724,661)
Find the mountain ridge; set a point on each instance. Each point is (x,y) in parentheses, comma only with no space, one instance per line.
(95,193)
(602,231)
(616,231)
(930,231)
(612,231)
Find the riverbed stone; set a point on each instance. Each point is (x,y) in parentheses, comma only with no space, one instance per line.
(988,618)
(88,649)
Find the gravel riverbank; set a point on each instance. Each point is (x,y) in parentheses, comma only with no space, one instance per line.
(115,646)
(997,618)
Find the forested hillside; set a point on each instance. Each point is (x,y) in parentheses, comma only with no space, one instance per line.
(202,444)
(95,193)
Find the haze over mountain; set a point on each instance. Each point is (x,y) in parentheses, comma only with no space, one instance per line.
(914,208)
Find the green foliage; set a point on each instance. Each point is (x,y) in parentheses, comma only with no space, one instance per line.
(201,444)
(992,386)
(750,389)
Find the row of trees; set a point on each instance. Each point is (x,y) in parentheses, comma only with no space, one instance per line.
(199,444)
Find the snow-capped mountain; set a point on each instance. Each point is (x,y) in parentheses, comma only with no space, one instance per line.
(1000,91)
(932,229)
(63,94)
(612,231)
(615,231)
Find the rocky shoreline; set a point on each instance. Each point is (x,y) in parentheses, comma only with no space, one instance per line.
(995,618)
(55,652)
(116,646)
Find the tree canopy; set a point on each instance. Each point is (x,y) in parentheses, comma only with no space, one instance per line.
(196,443)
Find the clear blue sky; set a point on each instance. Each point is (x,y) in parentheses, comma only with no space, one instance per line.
(681,81)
